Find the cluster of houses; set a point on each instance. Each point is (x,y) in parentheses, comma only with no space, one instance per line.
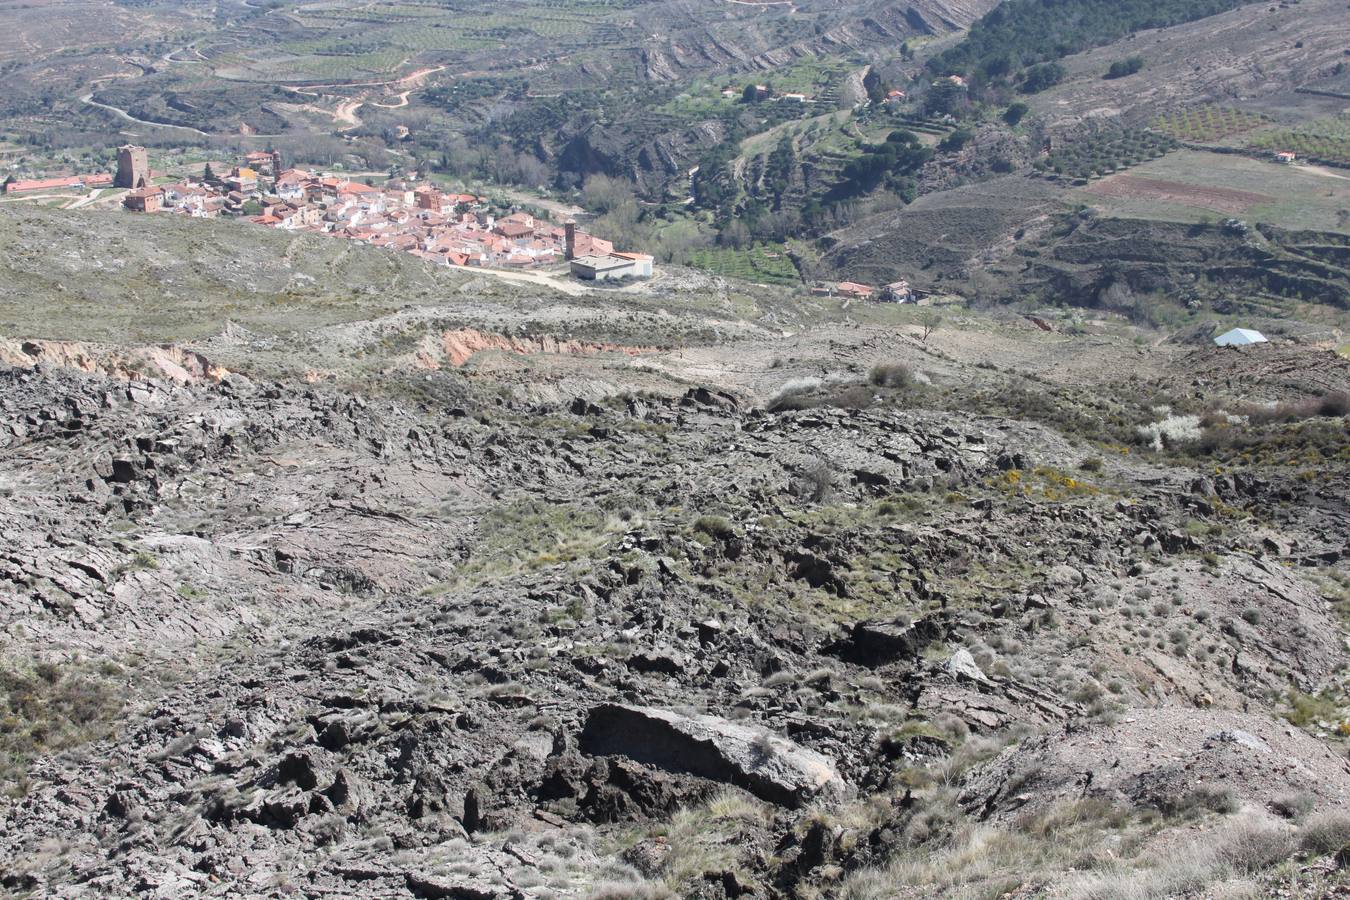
(445,227)
(759,92)
(895,292)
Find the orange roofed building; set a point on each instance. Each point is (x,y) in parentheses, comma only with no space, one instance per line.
(145,199)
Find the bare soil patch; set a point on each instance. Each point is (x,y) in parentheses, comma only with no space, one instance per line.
(1134,187)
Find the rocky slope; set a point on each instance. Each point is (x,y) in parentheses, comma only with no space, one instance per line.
(266,638)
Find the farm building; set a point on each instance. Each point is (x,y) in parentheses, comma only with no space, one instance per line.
(1285,156)
(897,292)
(843,289)
(1240,337)
(48,184)
(853,289)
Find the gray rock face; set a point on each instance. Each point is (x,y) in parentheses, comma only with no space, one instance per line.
(1156,757)
(770,767)
(963,665)
(1240,738)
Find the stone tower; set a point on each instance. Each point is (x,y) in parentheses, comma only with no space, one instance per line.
(570,239)
(133,167)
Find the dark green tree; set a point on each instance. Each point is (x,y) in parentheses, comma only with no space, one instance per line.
(778,170)
(1040,77)
(1123,67)
(956,140)
(944,98)
(1015,112)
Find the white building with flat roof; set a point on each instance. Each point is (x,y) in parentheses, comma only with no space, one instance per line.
(612,266)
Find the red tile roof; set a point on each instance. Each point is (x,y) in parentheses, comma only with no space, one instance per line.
(70,181)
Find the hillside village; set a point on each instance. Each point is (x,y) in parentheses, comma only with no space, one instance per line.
(448,228)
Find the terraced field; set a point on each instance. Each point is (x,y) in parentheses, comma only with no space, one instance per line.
(1325,140)
(630,88)
(765,264)
(1103,153)
(1207,122)
(353,44)
(1191,186)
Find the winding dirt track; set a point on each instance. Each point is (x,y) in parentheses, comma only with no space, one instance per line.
(346,110)
(123,114)
(346,113)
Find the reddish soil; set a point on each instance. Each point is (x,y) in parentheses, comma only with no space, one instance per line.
(1133,187)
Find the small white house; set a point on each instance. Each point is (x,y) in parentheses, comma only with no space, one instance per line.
(1240,337)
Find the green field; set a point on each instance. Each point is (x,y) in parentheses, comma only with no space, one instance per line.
(1104,152)
(1206,122)
(1324,140)
(766,264)
(1294,196)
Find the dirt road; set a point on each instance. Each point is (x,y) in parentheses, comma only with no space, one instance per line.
(346,113)
(564,210)
(558,284)
(1324,172)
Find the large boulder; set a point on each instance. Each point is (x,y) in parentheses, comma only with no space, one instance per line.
(770,767)
(876,643)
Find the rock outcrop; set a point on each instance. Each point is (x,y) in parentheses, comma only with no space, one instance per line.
(768,766)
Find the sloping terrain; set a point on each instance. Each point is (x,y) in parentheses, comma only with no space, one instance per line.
(1258,53)
(821,611)
(943,236)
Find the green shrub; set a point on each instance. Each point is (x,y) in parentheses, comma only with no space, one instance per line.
(50,708)
(1200,799)
(1325,833)
(1123,67)
(715,527)
(1305,709)
(891,375)
(1015,112)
